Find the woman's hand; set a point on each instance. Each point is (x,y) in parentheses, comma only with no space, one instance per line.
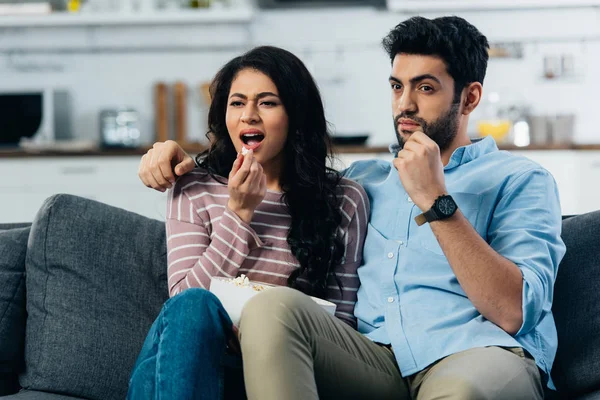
(160,165)
(247,186)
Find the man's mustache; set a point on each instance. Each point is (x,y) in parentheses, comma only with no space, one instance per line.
(410,116)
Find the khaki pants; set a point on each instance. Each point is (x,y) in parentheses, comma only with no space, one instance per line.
(293,350)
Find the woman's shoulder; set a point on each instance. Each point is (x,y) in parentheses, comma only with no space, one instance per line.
(353,190)
(354,196)
(200,180)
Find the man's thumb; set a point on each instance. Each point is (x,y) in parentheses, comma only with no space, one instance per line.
(185,166)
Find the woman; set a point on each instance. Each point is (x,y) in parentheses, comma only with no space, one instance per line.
(261,203)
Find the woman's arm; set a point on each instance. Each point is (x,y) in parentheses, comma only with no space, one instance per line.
(355,212)
(195,255)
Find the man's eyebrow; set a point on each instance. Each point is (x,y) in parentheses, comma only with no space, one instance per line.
(417,79)
(423,77)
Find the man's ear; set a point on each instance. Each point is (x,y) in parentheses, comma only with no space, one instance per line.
(471,97)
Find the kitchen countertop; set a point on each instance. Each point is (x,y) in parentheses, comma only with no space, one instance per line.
(16,152)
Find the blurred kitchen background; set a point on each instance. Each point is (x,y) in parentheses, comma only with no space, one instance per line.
(86,86)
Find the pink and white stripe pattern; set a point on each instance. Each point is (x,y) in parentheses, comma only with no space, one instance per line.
(206,239)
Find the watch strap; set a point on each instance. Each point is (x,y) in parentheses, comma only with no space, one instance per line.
(428,216)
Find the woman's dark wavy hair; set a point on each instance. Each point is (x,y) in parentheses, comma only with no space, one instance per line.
(462,47)
(310,188)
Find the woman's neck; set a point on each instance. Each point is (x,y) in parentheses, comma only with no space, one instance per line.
(273,172)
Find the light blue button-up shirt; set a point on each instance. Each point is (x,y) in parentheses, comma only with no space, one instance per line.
(409,296)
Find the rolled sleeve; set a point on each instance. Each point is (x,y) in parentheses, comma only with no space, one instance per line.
(525,229)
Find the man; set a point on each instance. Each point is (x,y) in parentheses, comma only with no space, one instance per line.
(459,263)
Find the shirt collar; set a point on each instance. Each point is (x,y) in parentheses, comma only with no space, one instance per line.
(464,154)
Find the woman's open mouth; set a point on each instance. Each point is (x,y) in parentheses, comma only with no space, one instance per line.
(252,139)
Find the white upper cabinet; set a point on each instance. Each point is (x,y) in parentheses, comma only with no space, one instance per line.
(477,5)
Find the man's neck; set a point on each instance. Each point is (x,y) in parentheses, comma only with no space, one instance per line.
(461,139)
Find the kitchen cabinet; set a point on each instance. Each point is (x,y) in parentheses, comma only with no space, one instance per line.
(482,5)
(104,32)
(27,182)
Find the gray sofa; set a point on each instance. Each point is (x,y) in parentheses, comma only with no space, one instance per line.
(81,286)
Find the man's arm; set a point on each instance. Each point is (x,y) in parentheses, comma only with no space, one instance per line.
(509,278)
(492,283)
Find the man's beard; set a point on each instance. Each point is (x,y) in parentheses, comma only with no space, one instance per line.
(442,131)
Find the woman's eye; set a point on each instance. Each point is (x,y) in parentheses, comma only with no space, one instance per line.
(268,103)
(236,104)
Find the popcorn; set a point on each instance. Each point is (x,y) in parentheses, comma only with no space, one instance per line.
(244,151)
(243,281)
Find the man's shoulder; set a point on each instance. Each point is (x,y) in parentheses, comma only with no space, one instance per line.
(511,166)
(367,170)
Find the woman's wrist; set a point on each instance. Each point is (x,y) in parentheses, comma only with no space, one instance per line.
(243,213)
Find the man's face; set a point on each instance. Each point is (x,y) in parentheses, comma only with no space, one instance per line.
(422,99)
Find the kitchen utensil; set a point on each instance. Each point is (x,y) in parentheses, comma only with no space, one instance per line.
(180,102)
(119,127)
(161,107)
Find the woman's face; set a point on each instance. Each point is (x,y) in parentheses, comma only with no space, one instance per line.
(256,118)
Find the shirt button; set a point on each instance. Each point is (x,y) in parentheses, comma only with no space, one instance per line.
(390,255)
(390,299)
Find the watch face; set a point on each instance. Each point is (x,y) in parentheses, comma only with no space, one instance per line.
(446,206)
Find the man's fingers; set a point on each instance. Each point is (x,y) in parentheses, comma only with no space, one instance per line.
(157,174)
(185,166)
(423,139)
(165,169)
(153,183)
(144,173)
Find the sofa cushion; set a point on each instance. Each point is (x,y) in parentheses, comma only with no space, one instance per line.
(13,248)
(96,280)
(35,395)
(576,308)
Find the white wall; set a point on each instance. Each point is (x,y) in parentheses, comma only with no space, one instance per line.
(341,46)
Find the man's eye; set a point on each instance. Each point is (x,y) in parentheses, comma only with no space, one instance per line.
(426,88)
(396,86)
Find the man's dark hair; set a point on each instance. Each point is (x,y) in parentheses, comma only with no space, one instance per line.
(462,47)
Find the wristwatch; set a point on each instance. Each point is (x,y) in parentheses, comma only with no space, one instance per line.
(443,207)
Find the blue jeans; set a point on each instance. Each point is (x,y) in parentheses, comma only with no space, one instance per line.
(185,353)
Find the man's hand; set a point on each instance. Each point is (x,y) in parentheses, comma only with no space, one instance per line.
(247,186)
(162,163)
(421,171)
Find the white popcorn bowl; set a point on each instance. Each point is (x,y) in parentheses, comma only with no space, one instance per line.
(234,297)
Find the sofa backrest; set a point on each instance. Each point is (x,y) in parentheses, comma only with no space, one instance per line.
(576,307)
(13,249)
(96,280)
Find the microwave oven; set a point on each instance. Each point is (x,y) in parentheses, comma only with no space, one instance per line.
(40,115)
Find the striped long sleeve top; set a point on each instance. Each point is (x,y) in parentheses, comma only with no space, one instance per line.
(206,239)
